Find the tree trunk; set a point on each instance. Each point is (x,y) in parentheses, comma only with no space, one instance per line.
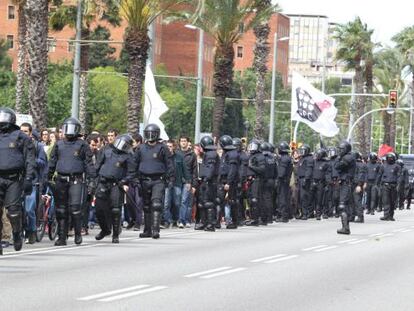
(412,115)
(37,47)
(360,110)
(83,83)
(389,129)
(368,101)
(261,55)
(223,79)
(21,59)
(136,44)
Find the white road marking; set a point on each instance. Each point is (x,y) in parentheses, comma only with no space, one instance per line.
(314,247)
(114,292)
(326,248)
(282,259)
(346,241)
(385,235)
(376,234)
(192,275)
(222,273)
(136,293)
(358,241)
(267,258)
(399,230)
(407,230)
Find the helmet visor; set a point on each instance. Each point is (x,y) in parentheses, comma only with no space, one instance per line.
(253,147)
(5,117)
(70,129)
(151,135)
(122,145)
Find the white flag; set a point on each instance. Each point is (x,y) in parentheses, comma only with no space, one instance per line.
(312,107)
(154,106)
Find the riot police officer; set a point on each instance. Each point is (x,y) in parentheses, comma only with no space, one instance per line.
(17,169)
(305,171)
(320,179)
(155,168)
(255,174)
(373,167)
(207,175)
(360,180)
(388,178)
(71,159)
(410,187)
(116,169)
(269,183)
(346,169)
(243,185)
(284,173)
(333,193)
(402,184)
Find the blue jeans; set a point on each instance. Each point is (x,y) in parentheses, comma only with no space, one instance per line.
(185,206)
(30,207)
(172,203)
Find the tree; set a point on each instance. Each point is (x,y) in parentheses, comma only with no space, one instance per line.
(354,45)
(139,15)
(37,47)
(222,20)
(261,55)
(5,60)
(101,54)
(405,44)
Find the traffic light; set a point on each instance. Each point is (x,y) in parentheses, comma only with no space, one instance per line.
(392,99)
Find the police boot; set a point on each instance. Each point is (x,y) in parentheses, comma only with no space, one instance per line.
(254,221)
(345,225)
(234,217)
(116,222)
(218,218)
(201,225)
(77,226)
(156,220)
(103,224)
(16,223)
(147,226)
(62,233)
(210,220)
(359,219)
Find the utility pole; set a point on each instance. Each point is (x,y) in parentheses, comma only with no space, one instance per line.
(76,63)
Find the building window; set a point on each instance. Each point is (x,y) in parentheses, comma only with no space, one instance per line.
(239,52)
(241,28)
(11,12)
(71,46)
(51,44)
(10,42)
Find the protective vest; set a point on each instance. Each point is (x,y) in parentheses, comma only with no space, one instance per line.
(153,160)
(11,152)
(114,165)
(71,157)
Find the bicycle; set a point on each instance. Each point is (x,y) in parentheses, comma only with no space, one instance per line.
(45,218)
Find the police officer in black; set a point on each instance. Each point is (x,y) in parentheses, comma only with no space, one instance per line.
(410,191)
(402,187)
(360,180)
(284,173)
(116,169)
(243,185)
(333,193)
(155,168)
(346,169)
(373,168)
(17,169)
(388,178)
(305,171)
(207,184)
(320,179)
(256,171)
(269,183)
(71,159)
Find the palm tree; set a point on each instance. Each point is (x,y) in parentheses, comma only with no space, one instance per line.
(37,30)
(354,46)
(222,20)
(140,14)
(261,55)
(65,15)
(405,44)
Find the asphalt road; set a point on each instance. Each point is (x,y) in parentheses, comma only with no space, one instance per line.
(302,265)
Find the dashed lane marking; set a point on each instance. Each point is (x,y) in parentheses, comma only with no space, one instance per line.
(282,259)
(399,230)
(314,247)
(358,241)
(407,230)
(114,292)
(131,294)
(222,273)
(192,275)
(375,234)
(267,258)
(326,248)
(385,235)
(346,241)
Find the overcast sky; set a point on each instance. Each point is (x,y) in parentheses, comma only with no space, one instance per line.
(385,17)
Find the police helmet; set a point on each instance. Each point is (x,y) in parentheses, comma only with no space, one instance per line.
(254,146)
(400,162)
(321,154)
(344,148)
(284,147)
(123,143)
(304,150)
(237,143)
(7,116)
(272,148)
(373,157)
(152,133)
(332,152)
(265,147)
(358,156)
(391,158)
(226,143)
(71,128)
(207,143)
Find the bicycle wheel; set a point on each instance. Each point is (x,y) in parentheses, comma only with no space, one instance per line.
(53,227)
(40,221)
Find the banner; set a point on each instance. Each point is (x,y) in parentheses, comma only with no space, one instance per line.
(312,107)
(154,106)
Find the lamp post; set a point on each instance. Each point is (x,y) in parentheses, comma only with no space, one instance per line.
(273,92)
(199,99)
(76,63)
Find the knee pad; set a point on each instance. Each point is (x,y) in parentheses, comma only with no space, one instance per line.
(14,213)
(217,201)
(116,211)
(75,210)
(254,201)
(157,206)
(208,205)
(146,208)
(60,213)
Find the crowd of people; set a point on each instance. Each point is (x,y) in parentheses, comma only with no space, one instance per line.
(135,181)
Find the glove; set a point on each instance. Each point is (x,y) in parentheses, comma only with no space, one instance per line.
(91,187)
(358,189)
(28,186)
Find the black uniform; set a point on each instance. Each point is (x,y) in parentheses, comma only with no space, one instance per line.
(284,173)
(269,185)
(360,179)
(403,184)
(256,175)
(388,178)
(72,160)
(333,189)
(320,179)
(17,169)
(305,171)
(115,169)
(155,168)
(243,187)
(410,187)
(373,168)
(224,169)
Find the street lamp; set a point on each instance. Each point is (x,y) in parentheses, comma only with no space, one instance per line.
(272,99)
(199,82)
(246,128)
